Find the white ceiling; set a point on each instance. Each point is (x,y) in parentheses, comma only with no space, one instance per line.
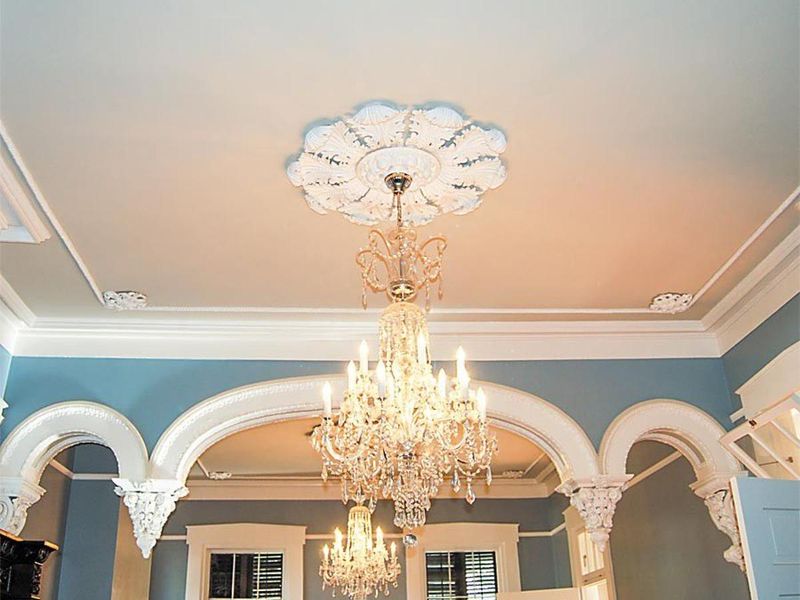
(647,142)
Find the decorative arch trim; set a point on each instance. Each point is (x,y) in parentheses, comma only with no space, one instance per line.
(242,408)
(38,439)
(688,429)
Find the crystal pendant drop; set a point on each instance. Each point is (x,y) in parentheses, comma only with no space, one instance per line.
(470,494)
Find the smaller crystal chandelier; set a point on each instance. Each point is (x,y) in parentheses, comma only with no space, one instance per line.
(360,567)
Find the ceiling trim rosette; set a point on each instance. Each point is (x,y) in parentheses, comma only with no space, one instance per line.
(452,161)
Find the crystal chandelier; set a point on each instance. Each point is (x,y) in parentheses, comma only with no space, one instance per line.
(361,567)
(401,430)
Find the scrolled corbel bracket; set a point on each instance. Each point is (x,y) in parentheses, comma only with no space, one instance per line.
(150,503)
(596,500)
(17,495)
(718,498)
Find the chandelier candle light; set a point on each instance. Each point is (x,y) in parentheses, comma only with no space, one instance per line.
(401,430)
(362,567)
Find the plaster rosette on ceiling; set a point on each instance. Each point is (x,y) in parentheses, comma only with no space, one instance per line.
(452,162)
(672,303)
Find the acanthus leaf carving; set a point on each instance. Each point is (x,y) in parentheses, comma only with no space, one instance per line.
(16,497)
(451,160)
(672,302)
(720,507)
(595,501)
(14,513)
(150,503)
(124,300)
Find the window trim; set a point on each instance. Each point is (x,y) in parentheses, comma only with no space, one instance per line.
(502,538)
(244,538)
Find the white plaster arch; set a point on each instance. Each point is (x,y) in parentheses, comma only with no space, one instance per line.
(242,408)
(683,426)
(39,438)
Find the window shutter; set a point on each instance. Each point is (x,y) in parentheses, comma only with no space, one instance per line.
(246,576)
(461,575)
(268,575)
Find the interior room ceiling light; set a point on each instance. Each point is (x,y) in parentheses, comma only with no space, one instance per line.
(401,430)
(359,567)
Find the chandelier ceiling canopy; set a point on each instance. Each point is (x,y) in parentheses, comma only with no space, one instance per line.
(451,162)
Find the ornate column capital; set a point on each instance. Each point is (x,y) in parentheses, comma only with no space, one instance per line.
(723,514)
(17,495)
(596,500)
(150,503)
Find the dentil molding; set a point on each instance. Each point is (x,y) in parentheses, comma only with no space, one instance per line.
(678,424)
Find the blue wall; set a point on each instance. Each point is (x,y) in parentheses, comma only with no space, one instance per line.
(664,545)
(541,564)
(90,541)
(5,365)
(152,393)
(761,345)
(47,520)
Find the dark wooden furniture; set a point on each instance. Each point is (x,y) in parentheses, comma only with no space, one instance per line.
(21,566)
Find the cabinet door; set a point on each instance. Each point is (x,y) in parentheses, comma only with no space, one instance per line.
(768,511)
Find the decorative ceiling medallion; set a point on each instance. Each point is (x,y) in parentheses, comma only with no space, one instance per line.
(124,300)
(512,474)
(671,303)
(452,162)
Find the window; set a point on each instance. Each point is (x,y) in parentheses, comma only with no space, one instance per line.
(463,561)
(245,576)
(461,575)
(244,561)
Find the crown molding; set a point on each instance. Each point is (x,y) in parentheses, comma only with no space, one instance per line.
(322,335)
(332,340)
(10,325)
(770,285)
(15,304)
